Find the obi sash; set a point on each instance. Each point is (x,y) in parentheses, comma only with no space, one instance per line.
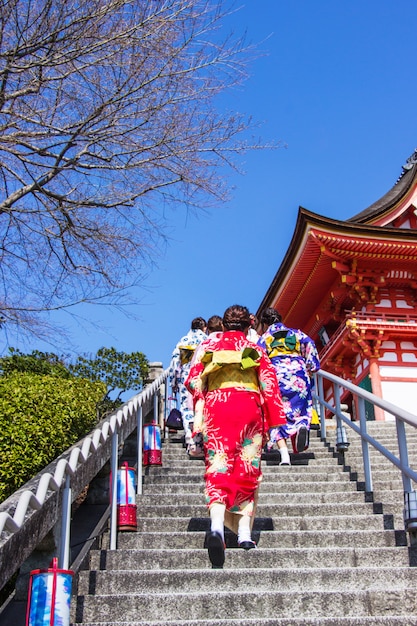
(186,353)
(282,343)
(225,369)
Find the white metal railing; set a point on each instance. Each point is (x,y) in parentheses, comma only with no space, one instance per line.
(67,476)
(402,417)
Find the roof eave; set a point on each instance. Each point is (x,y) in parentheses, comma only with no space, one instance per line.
(307,220)
(389,200)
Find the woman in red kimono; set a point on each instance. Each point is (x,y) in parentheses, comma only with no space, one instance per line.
(237,400)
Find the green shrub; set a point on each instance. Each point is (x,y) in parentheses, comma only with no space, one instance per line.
(45,363)
(40,417)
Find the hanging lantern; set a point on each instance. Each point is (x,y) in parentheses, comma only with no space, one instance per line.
(49,596)
(152,448)
(342,443)
(410,513)
(126,498)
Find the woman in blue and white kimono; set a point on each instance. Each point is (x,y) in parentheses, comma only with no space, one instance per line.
(180,368)
(295,358)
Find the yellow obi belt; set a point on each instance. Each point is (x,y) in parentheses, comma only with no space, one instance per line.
(230,368)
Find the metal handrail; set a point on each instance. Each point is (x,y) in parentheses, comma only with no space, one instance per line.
(82,462)
(401,416)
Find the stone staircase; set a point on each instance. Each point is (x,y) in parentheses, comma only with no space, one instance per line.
(325,555)
(386,479)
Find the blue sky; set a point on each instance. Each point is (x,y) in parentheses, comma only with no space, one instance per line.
(337,86)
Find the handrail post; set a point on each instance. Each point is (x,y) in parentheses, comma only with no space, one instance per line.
(113,487)
(402,448)
(342,443)
(64,547)
(139,430)
(320,387)
(156,407)
(365,447)
(410,496)
(166,396)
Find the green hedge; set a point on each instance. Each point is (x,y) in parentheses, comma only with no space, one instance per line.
(40,417)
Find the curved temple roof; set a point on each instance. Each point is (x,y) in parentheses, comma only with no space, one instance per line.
(393,196)
(324,251)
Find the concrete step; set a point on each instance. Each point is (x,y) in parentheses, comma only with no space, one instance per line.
(389,441)
(294,522)
(280,498)
(186,474)
(314,451)
(271,539)
(269,461)
(332,473)
(375,456)
(348,509)
(272,459)
(267,489)
(175,606)
(400,620)
(229,579)
(379,476)
(303,458)
(326,556)
(174,555)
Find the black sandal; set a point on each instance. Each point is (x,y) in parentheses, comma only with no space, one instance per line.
(215,545)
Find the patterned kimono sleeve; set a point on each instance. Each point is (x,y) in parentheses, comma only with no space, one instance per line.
(193,382)
(174,373)
(194,386)
(310,354)
(272,401)
(261,343)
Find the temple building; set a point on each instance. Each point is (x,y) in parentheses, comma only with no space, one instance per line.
(352,286)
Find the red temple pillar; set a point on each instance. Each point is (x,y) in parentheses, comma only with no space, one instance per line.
(375,377)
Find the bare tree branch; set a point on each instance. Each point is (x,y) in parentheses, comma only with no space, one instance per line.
(107,108)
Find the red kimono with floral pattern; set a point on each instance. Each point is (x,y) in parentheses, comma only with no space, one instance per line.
(237,400)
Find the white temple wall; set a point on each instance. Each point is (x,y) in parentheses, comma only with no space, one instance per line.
(401,393)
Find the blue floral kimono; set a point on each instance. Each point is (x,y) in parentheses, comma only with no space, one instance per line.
(295,358)
(178,374)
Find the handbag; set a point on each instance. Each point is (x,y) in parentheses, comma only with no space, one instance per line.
(174,419)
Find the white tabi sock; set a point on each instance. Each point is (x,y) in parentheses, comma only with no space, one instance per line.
(244,533)
(188,437)
(217,512)
(285,455)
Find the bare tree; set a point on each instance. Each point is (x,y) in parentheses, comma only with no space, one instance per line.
(108,113)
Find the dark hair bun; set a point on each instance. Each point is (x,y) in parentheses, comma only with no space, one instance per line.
(270,316)
(236,317)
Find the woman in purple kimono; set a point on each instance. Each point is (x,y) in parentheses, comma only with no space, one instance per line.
(295,358)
